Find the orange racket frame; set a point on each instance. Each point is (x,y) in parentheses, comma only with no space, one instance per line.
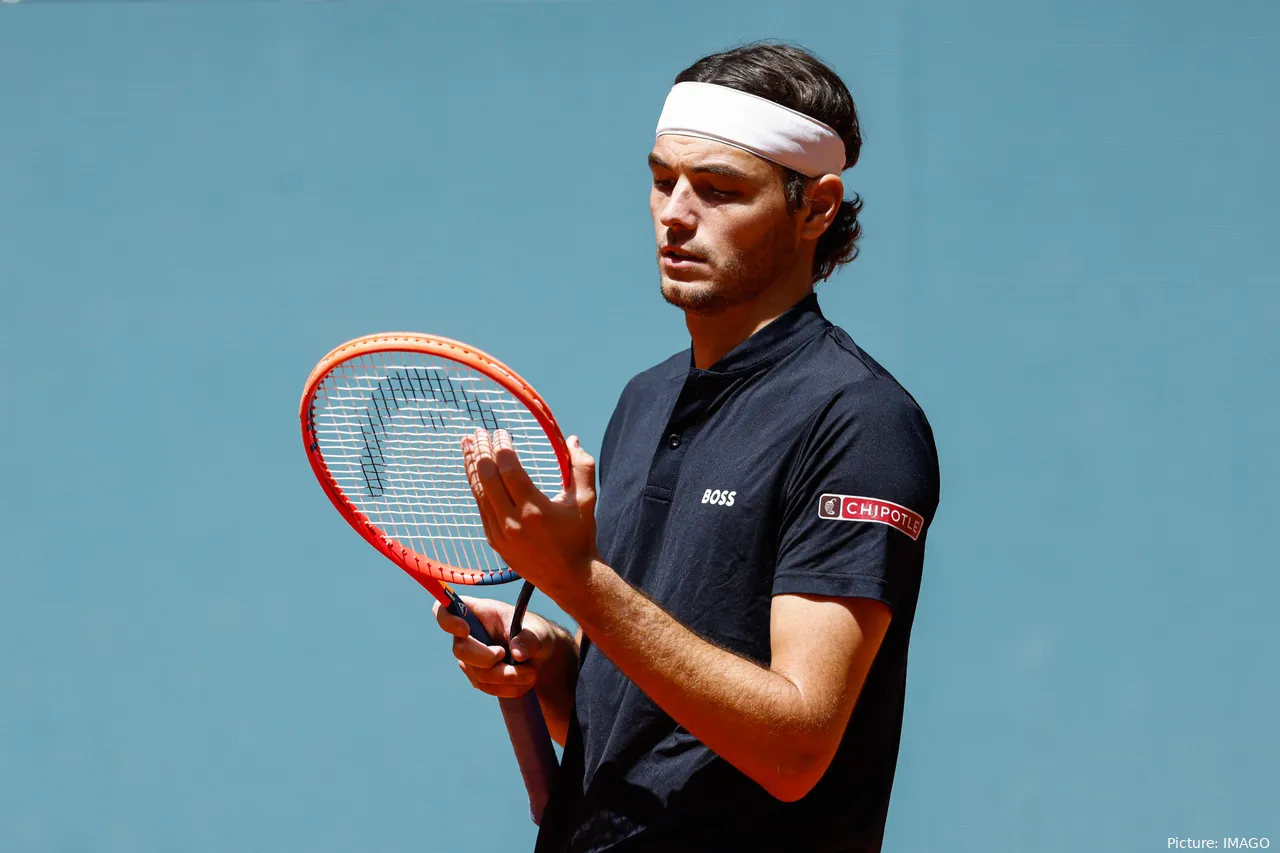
(422,569)
(523,716)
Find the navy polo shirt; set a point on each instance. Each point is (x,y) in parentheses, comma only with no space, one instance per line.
(795,464)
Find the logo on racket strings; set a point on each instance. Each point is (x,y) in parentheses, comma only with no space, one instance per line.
(414,401)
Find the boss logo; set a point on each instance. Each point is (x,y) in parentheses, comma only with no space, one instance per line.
(719,497)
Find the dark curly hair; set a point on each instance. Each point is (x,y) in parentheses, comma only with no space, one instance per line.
(792,76)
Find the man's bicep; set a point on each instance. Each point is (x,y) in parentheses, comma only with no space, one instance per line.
(825,645)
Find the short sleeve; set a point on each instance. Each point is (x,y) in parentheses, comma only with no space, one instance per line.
(860,497)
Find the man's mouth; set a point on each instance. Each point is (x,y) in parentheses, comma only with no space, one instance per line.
(680,257)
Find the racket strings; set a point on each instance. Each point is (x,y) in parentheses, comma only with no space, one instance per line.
(389,427)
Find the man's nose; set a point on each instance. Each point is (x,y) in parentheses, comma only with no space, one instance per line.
(678,210)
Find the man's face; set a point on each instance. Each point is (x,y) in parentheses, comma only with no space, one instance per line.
(726,208)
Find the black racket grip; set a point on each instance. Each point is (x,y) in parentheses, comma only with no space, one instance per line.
(525,725)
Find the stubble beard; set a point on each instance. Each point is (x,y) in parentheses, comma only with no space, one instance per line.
(741,278)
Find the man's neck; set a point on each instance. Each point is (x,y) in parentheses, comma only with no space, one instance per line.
(716,335)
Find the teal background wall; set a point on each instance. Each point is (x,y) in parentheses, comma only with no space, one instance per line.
(1070,259)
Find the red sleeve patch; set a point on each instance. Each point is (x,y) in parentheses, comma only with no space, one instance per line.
(853,508)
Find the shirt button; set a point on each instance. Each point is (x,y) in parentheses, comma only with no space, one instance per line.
(674,441)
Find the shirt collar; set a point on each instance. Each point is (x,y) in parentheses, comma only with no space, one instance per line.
(800,322)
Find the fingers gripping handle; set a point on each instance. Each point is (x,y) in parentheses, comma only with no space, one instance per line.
(525,724)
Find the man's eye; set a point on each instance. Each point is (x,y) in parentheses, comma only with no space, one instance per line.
(662,184)
(719,193)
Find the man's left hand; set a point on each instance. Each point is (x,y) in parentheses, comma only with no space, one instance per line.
(550,542)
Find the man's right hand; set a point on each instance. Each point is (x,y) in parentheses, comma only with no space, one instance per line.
(483,665)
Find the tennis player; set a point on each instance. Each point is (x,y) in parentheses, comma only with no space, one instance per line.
(746,578)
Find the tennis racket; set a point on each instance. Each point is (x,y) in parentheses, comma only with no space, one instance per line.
(383,418)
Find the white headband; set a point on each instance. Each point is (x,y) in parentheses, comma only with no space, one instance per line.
(754,124)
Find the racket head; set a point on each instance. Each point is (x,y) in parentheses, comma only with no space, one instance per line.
(382,421)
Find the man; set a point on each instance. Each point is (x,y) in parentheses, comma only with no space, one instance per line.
(746,580)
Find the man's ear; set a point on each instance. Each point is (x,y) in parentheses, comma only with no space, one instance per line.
(822,202)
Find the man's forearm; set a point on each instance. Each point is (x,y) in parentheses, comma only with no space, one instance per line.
(754,718)
(557,681)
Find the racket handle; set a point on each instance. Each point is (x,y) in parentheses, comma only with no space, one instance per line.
(525,725)
(534,752)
